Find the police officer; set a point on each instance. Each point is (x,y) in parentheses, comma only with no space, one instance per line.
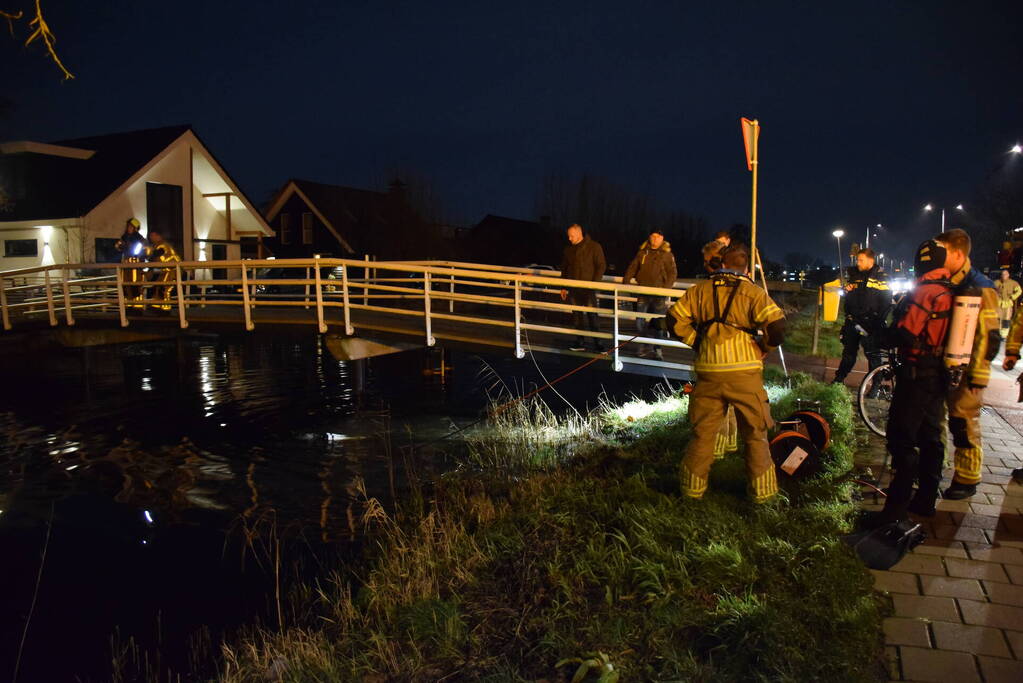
(720,318)
(965,400)
(867,302)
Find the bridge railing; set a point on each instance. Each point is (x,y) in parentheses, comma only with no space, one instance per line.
(518,300)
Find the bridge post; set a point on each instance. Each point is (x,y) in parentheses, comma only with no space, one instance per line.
(120,296)
(181,300)
(307,288)
(3,306)
(245,300)
(430,341)
(319,298)
(616,362)
(519,353)
(49,299)
(451,290)
(68,318)
(344,295)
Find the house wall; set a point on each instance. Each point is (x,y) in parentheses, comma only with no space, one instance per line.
(323,243)
(65,245)
(108,219)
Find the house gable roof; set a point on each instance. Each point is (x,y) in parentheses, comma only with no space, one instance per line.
(334,205)
(44,186)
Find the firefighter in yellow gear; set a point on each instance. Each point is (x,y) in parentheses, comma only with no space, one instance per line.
(965,401)
(720,318)
(1012,347)
(161,251)
(1008,291)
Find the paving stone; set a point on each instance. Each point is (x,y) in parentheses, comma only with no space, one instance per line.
(976,521)
(953,587)
(1000,555)
(920,564)
(942,549)
(986,509)
(1004,539)
(927,607)
(972,569)
(997,670)
(899,631)
(891,656)
(987,487)
(983,613)
(979,640)
(938,665)
(1015,639)
(1001,593)
(895,582)
(1015,574)
(961,533)
(954,505)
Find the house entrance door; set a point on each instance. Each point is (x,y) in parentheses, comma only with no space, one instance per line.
(164,213)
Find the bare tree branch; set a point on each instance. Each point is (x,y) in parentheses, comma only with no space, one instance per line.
(40,31)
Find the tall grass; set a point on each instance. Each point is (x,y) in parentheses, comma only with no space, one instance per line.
(566,542)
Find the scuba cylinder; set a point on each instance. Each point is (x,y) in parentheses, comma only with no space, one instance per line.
(961,330)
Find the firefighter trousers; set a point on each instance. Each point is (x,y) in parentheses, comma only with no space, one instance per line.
(708,405)
(964,423)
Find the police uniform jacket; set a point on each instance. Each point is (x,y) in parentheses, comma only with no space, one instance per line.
(870,298)
(729,345)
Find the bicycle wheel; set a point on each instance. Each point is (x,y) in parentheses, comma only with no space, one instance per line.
(875,397)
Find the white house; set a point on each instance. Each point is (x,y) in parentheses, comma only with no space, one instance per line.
(68,201)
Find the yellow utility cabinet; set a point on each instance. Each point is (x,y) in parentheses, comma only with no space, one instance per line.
(831,296)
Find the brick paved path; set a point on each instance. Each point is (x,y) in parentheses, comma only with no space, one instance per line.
(959,596)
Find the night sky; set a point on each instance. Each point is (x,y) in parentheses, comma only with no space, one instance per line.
(869,109)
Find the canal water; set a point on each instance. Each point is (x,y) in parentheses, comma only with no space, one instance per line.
(155,497)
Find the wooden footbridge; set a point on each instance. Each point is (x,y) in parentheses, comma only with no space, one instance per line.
(365,308)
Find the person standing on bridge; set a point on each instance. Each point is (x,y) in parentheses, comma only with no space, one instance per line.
(653,266)
(868,299)
(721,318)
(583,259)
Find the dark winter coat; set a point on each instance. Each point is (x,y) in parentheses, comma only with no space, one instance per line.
(652,267)
(583,261)
(870,299)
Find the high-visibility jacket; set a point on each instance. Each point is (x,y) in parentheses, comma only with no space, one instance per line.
(723,333)
(1015,339)
(988,338)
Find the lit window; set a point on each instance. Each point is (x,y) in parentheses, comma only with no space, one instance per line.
(285,228)
(307,228)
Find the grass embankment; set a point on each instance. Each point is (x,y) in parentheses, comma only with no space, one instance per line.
(799,331)
(568,541)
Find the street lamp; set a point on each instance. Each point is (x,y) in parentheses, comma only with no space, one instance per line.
(931,207)
(838,236)
(869,230)
(1016,149)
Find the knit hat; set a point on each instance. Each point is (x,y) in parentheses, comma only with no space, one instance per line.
(929,256)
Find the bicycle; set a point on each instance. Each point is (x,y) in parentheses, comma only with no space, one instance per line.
(874,398)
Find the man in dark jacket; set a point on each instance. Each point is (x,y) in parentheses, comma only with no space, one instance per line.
(868,300)
(653,266)
(583,259)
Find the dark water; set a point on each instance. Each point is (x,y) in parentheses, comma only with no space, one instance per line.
(175,485)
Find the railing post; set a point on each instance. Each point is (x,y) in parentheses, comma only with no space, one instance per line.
(344,295)
(120,296)
(451,290)
(430,341)
(307,288)
(49,299)
(319,298)
(519,352)
(181,299)
(365,282)
(616,362)
(245,300)
(3,306)
(68,318)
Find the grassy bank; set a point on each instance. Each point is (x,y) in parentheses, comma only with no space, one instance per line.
(799,334)
(563,546)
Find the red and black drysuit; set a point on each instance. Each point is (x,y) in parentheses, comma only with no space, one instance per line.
(917,418)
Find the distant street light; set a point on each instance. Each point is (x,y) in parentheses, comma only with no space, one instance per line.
(1016,149)
(869,230)
(838,236)
(930,207)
